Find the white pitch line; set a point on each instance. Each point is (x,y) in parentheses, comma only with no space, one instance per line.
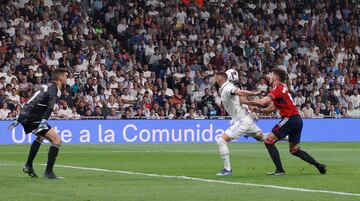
(172,151)
(210,180)
(8,164)
(135,151)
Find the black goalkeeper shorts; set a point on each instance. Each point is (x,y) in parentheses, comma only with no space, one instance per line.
(30,126)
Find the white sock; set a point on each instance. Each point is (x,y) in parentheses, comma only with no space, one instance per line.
(224,152)
(261,137)
(264,137)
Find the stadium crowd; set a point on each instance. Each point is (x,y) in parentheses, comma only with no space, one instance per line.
(156,59)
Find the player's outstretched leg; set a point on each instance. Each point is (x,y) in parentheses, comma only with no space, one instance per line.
(35,146)
(261,137)
(296,151)
(274,154)
(53,152)
(224,153)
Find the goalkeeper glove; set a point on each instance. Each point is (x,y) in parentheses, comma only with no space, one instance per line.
(13,125)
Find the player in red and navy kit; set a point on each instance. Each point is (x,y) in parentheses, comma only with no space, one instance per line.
(290,125)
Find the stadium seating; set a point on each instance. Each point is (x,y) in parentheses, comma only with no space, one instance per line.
(156,59)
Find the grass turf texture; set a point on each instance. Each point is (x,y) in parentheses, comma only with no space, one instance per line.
(250,162)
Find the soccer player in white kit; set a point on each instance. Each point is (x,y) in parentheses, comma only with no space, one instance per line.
(243,122)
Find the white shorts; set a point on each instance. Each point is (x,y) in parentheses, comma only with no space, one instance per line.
(245,127)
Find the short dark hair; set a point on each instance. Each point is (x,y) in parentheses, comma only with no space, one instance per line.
(57,73)
(280,73)
(222,74)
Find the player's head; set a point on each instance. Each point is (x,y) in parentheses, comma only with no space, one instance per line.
(232,76)
(59,75)
(278,75)
(220,78)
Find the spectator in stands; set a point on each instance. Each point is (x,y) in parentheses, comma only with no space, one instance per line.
(206,84)
(162,114)
(112,103)
(81,108)
(153,115)
(344,113)
(317,113)
(217,61)
(127,98)
(168,92)
(307,110)
(126,115)
(197,94)
(332,98)
(113,114)
(354,113)
(299,99)
(4,111)
(262,85)
(355,99)
(207,101)
(64,110)
(332,112)
(98,112)
(173,114)
(200,115)
(14,96)
(176,98)
(191,114)
(180,112)
(74,114)
(88,113)
(139,114)
(162,98)
(344,98)
(67,98)
(326,110)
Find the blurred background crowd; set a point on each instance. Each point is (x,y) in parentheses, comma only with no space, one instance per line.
(155,59)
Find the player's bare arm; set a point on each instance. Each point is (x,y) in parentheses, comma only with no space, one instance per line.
(263,102)
(240,92)
(245,99)
(271,108)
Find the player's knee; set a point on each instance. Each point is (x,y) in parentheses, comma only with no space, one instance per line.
(58,141)
(270,140)
(55,140)
(260,137)
(294,150)
(220,141)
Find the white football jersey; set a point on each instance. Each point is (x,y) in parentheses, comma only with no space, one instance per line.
(231,102)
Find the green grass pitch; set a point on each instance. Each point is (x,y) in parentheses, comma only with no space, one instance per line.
(250,162)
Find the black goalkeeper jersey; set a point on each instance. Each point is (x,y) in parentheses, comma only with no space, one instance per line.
(41,104)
